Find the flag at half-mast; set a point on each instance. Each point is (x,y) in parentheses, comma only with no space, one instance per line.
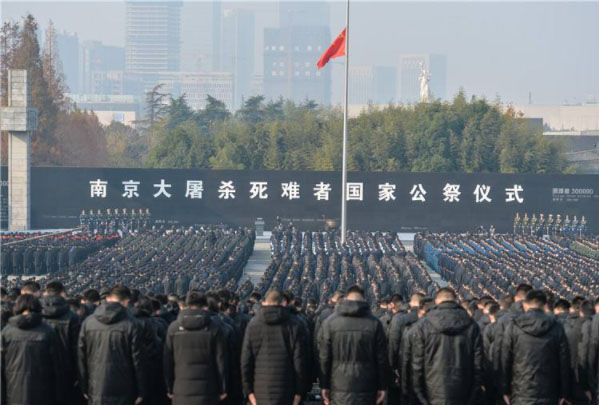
(336,50)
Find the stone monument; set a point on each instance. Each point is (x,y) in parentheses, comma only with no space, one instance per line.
(19,120)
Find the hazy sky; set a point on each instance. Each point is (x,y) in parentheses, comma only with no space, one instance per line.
(493,48)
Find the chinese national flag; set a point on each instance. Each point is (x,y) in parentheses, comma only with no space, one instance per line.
(336,50)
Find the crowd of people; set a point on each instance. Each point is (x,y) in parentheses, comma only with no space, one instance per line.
(549,225)
(208,347)
(112,221)
(31,254)
(313,265)
(477,265)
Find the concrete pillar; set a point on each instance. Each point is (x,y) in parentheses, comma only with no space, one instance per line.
(19,120)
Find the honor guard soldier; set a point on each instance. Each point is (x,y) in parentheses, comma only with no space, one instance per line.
(567,226)
(583,226)
(516,223)
(525,222)
(574,226)
(533,224)
(117,220)
(541,226)
(549,225)
(558,224)
(84,220)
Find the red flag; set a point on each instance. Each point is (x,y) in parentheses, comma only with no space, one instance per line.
(336,50)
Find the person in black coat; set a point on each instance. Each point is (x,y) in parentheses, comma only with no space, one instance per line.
(273,367)
(196,356)
(152,347)
(31,363)
(447,355)
(535,356)
(353,354)
(110,358)
(57,313)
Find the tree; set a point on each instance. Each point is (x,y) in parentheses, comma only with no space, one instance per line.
(156,106)
(27,56)
(81,139)
(125,146)
(52,68)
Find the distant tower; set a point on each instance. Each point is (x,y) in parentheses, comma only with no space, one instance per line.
(530,97)
(152,38)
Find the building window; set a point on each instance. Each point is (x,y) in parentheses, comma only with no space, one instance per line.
(307,73)
(281,48)
(297,72)
(274,73)
(319,47)
(309,47)
(281,64)
(281,73)
(317,73)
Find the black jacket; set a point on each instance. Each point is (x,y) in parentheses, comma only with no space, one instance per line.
(353,354)
(110,357)
(273,357)
(31,362)
(196,359)
(447,357)
(535,360)
(57,313)
(399,322)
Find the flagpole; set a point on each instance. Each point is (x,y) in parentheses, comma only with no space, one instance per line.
(345,130)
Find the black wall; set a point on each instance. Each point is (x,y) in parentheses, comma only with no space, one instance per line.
(59,195)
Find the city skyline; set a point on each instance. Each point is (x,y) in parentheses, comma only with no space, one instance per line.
(560,64)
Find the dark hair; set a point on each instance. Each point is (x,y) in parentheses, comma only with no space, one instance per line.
(275,296)
(27,302)
(587,308)
(537,297)
(144,304)
(120,292)
(31,286)
(562,304)
(523,289)
(135,294)
(91,295)
(355,289)
(446,293)
(54,288)
(297,303)
(255,296)
(493,308)
(426,304)
(506,301)
(576,301)
(14,293)
(396,299)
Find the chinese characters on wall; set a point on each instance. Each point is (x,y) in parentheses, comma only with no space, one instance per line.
(292,190)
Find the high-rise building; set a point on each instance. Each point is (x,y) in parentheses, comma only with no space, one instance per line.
(237,51)
(291,52)
(384,86)
(197,86)
(408,90)
(152,39)
(360,84)
(68,50)
(96,60)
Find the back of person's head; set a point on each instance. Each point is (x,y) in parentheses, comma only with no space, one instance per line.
(521,292)
(493,308)
(274,298)
(27,302)
(91,296)
(213,301)
(562,306)
(336,297)
(576,301)
(119,293)
(297,303)
(135,294)
(445,294)
(31,287)
(415,299)
(587,308)
(426,304)
(54,288)
(535,299)
(255,297)
(196,300)
(355,293)
(14,293)
(3,293)
(396,301)
(144,304)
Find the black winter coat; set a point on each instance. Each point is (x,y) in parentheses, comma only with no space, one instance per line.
(57,313)
(31,362)
(399,322)
(152,348)
(447,357)
(110,357)
(353,355)
(273,357)
(535,360)
(195,359)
